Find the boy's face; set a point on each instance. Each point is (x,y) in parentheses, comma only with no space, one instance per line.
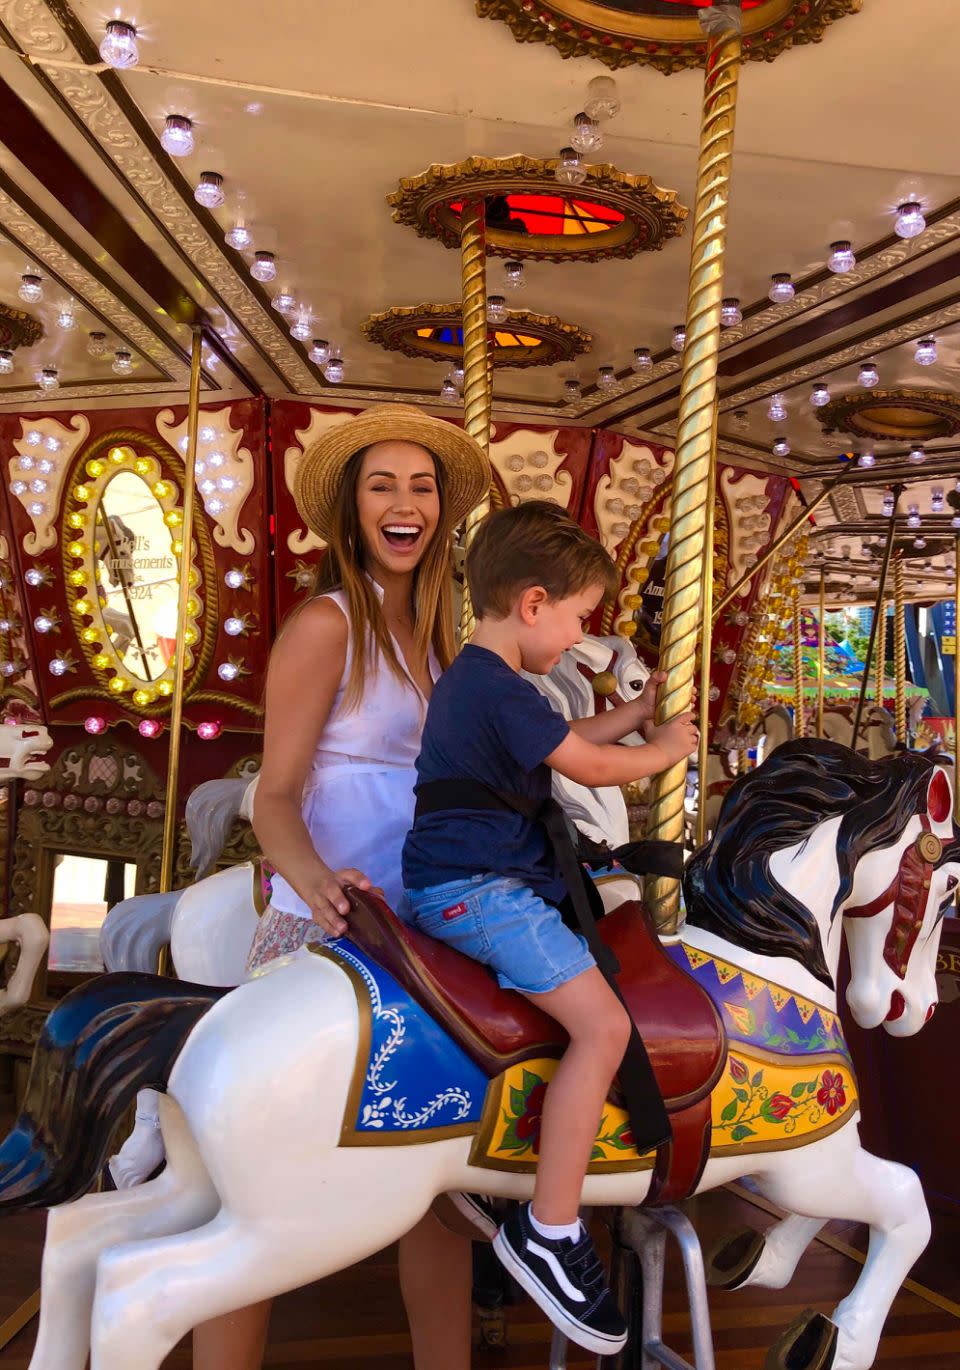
(552,626)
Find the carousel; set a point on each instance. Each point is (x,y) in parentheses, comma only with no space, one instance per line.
(225,232)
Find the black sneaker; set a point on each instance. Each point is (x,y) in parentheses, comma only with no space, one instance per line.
(566,1279)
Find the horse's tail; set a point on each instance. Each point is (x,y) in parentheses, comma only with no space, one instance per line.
(106,1040)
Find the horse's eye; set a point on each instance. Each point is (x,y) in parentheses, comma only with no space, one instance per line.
(636,685)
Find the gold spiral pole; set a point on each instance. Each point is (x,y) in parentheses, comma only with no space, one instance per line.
(180,658)
(799,713)
(956,689)
(477,368)
(698,390)
(881,676)
(899,651)
(822,652)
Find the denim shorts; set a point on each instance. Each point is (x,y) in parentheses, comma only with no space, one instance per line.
(505,926)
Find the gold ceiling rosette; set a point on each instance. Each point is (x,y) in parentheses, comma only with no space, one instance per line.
(530,215)
(18,329)
(902,415)
(665,34)
(435,331)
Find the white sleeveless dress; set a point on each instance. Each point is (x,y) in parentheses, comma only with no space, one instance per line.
(358,798)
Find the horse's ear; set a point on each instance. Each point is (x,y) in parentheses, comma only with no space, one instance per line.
(939,798)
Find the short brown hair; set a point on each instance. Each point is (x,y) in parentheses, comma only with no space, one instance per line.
(533,544)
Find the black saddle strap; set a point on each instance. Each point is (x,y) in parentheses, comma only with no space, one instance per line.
(645,1106)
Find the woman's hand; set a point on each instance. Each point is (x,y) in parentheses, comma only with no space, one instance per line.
(326,898)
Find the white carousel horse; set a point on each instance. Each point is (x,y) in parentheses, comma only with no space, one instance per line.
(877,735)
(266,1189)
(22,749)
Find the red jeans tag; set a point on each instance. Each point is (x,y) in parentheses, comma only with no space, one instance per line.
(454,912)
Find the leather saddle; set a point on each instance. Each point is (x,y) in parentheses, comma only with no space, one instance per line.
(678,1021)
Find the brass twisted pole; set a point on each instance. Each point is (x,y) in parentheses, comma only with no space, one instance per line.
(180,657)
(881,676)
(799,713)
(899,651)
(706,635)
(956,687)
(477,370)
(698,390)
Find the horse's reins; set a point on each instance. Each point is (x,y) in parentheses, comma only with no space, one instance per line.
(907,892)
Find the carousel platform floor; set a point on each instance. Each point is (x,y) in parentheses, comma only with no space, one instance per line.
(354,1320)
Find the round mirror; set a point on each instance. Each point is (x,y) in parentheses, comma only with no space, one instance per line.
(136,573)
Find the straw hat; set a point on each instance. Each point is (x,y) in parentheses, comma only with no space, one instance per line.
(466,470)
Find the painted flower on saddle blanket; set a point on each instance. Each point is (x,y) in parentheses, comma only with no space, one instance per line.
(831,1095)
(778,1106)
(528,1124)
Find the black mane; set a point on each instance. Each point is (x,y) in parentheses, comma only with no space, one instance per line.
(728,887)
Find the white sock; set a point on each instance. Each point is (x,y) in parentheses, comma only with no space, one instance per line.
(556,1232)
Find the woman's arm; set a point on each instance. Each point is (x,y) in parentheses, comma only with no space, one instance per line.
(589,764)
(306,666)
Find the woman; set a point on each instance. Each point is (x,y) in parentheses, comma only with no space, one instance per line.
(347,688)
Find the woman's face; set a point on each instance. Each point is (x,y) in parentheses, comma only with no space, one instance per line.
(398,504)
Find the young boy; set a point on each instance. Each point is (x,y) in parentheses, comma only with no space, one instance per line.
(486,880)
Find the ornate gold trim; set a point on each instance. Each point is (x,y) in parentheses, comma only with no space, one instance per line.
(18,329)
(585,28)
(651,214)
(903,415)
(556,341)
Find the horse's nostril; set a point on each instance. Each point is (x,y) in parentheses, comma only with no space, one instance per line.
(930,1012)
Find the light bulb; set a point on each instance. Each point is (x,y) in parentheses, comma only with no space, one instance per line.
(239,237)
(587,135)
(730,312)
(448,390)
(96,344)
(514,274)
(122,362)
(781,288)
(264,268)
(678,341)
(228,670)
(866,459)
(776,410)
(149,727)
(59,666)
(34,576)
(842,258)
(333,371)
(606,378)
(497,311)
(888,504)
(642,360)
(177,135)
(31,288)
(570,170)
(936,500)
(94,724)
(868,375)
(18,487)
(284,302)
(49,379)
(234,627)
(458,376)
(209,191)
(602,101)
(917,455)
(909,222)
(301,328)
(320,351)
(207,434)
(38,485)
(208,731)
(6,361)
(119,47)
(781,447)
(66,319)
(43,623)
(234,579)
(217,459)
(215,506)
(571,391)
(820,395)
(913,516)
(33,439)
(926,353)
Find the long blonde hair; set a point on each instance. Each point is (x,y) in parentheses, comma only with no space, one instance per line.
(432,599)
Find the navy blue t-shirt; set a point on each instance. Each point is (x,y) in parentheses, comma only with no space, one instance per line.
(485,722)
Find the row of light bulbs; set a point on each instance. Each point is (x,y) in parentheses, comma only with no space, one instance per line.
(119,49)
(913,510)
(48,377)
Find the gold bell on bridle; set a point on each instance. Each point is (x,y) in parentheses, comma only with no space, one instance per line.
(604,683)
